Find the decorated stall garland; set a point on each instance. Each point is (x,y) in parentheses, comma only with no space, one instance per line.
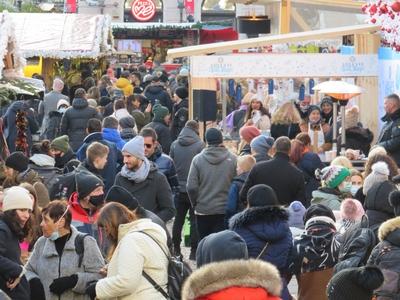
(385,13)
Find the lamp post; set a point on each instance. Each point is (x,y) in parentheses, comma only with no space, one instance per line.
(181,7)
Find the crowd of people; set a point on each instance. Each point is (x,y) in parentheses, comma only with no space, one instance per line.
(84,208)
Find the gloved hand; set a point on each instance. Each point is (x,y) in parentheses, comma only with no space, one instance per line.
(37,290)
(91,290)
(60,285)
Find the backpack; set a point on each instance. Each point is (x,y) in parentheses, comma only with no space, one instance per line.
(80,247)
(48,175)
(63,186)
(178,271)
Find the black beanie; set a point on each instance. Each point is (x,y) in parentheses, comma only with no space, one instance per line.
(127,122)
(262,195)
(182,92)
(17,161)
(86,183)
(355,283)
(214,136)
(394,199)
(123,196)
(318,210)
(104,101)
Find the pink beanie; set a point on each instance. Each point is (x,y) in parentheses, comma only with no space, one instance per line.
(248,133)
(351,209)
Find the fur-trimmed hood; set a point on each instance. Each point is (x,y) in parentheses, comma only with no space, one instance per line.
(267,214)
(215,277)
(389,228)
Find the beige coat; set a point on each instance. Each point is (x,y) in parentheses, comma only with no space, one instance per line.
(136,252)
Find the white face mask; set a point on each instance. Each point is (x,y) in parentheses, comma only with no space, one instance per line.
(56,234)
(62,110)
(354,189)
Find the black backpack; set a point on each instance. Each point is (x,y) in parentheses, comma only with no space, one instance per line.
(80,247)
(178,271)
(63,186)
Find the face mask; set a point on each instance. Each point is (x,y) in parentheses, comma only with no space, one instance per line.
(97,200)
(62,110)
(354,189)
(346,188)
(304,108)
(56,235)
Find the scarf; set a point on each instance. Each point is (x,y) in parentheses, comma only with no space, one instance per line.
(139,175)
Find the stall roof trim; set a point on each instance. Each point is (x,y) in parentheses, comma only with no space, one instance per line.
(152,25)
(62,36)
(321,34)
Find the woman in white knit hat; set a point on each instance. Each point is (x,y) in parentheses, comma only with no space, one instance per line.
(14,227)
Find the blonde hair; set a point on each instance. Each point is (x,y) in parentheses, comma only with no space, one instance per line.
(342,161)
(286,114)
(247,98)
(377,150)
(246,162)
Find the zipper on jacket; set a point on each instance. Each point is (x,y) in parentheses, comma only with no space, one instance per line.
(59,272)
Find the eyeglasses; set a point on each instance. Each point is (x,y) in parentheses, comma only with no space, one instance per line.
(148,146)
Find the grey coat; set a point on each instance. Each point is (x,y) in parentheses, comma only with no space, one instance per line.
(48,105)
(47,265)
(210,177)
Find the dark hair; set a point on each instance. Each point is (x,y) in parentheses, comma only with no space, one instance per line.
(80,93)
(263,110)
(10,217)
(296,151)
(282,144)
(137,74)
(393,169)
(88,83)
(41,148)
(35,232)
(110,122)
(119,104)
(149,132)
(94,93)
(94,125)
(55,209)
(394,97)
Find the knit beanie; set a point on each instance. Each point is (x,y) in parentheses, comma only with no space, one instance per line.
(62,102)
(86,183)
(352,117)
(355,283)
(318,210)
(17,197)
(248,133)
(220,246)
(214,136)
(394,200)
(104,101)
(17,161)
(61,143)
(123,196)
(262,144)
(326,100)
(296,213)
(312,108)
(92,102)
(380,173)
(182,92)
(160,112)
(135,147)
(261,195)
(332,176)
(127,122)
(351,209)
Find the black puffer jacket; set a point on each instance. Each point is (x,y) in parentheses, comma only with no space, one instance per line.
(390,135)
(157,92)
(377,206)
(74,121)
(179,117)
(10,263)
(53,126)
(358,138)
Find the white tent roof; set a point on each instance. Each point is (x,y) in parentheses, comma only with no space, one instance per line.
(62,35)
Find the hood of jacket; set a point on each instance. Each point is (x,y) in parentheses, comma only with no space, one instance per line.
(253,215)
(42,160)
(18,105)
(325,194)
(29,176)
(154,89)
(215,155)
(215,277)
(80,103)
(145,225)
(93,137)
(111,135)
(320,232)
(122,83)
(188,137)
(359,133)
(157,153)
(390,231)
(127,133)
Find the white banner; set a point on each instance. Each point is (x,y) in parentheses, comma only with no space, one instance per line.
(284,65)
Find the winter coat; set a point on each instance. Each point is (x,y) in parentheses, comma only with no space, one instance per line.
(114,158)
(46,264)
(125,85)
(153,194)
(187,146)
(136,252)
(166,165)
(358,138)
(289,130)
(386,256)
(127,134)
(61,161)
(308,164)
(261,226)
(234,205)
(113,136)
(285,179)
(328,197)
(179,117)
(10,125)
(377,206)
(163,134)
(141,119)
(48,105)
(10,263)
(121,113)
(233,280)
(74,121)
(389,137)
(210,177)
(158,92)
(52,129)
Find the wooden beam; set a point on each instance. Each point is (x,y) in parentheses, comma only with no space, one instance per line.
(320,34)
(284,21)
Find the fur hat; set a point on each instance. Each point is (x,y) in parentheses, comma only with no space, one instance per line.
(17,197)
(388,227)
(351,209)
(248,133)
(17,161)
(355,283)
(333,176)
(352,115)
(380,172)
(394,200)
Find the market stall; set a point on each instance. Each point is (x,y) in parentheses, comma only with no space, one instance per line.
(67,43)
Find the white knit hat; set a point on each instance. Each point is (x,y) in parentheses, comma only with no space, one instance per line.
(380,172)
(17,197)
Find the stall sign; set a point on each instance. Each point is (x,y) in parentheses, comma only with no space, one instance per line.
(189,6)
(143,10)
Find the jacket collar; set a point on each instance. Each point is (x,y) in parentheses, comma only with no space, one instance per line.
(49,249)
(95,136)
(268,214)
(281,156)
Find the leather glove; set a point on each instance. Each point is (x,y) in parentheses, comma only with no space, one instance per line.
(91,290)
(60,285)
(37,290)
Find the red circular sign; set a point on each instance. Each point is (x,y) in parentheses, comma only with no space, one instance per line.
(143,10)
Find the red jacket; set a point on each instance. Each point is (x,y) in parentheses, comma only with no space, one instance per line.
(240,293)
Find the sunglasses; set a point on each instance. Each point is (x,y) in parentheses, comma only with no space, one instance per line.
(148,146)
